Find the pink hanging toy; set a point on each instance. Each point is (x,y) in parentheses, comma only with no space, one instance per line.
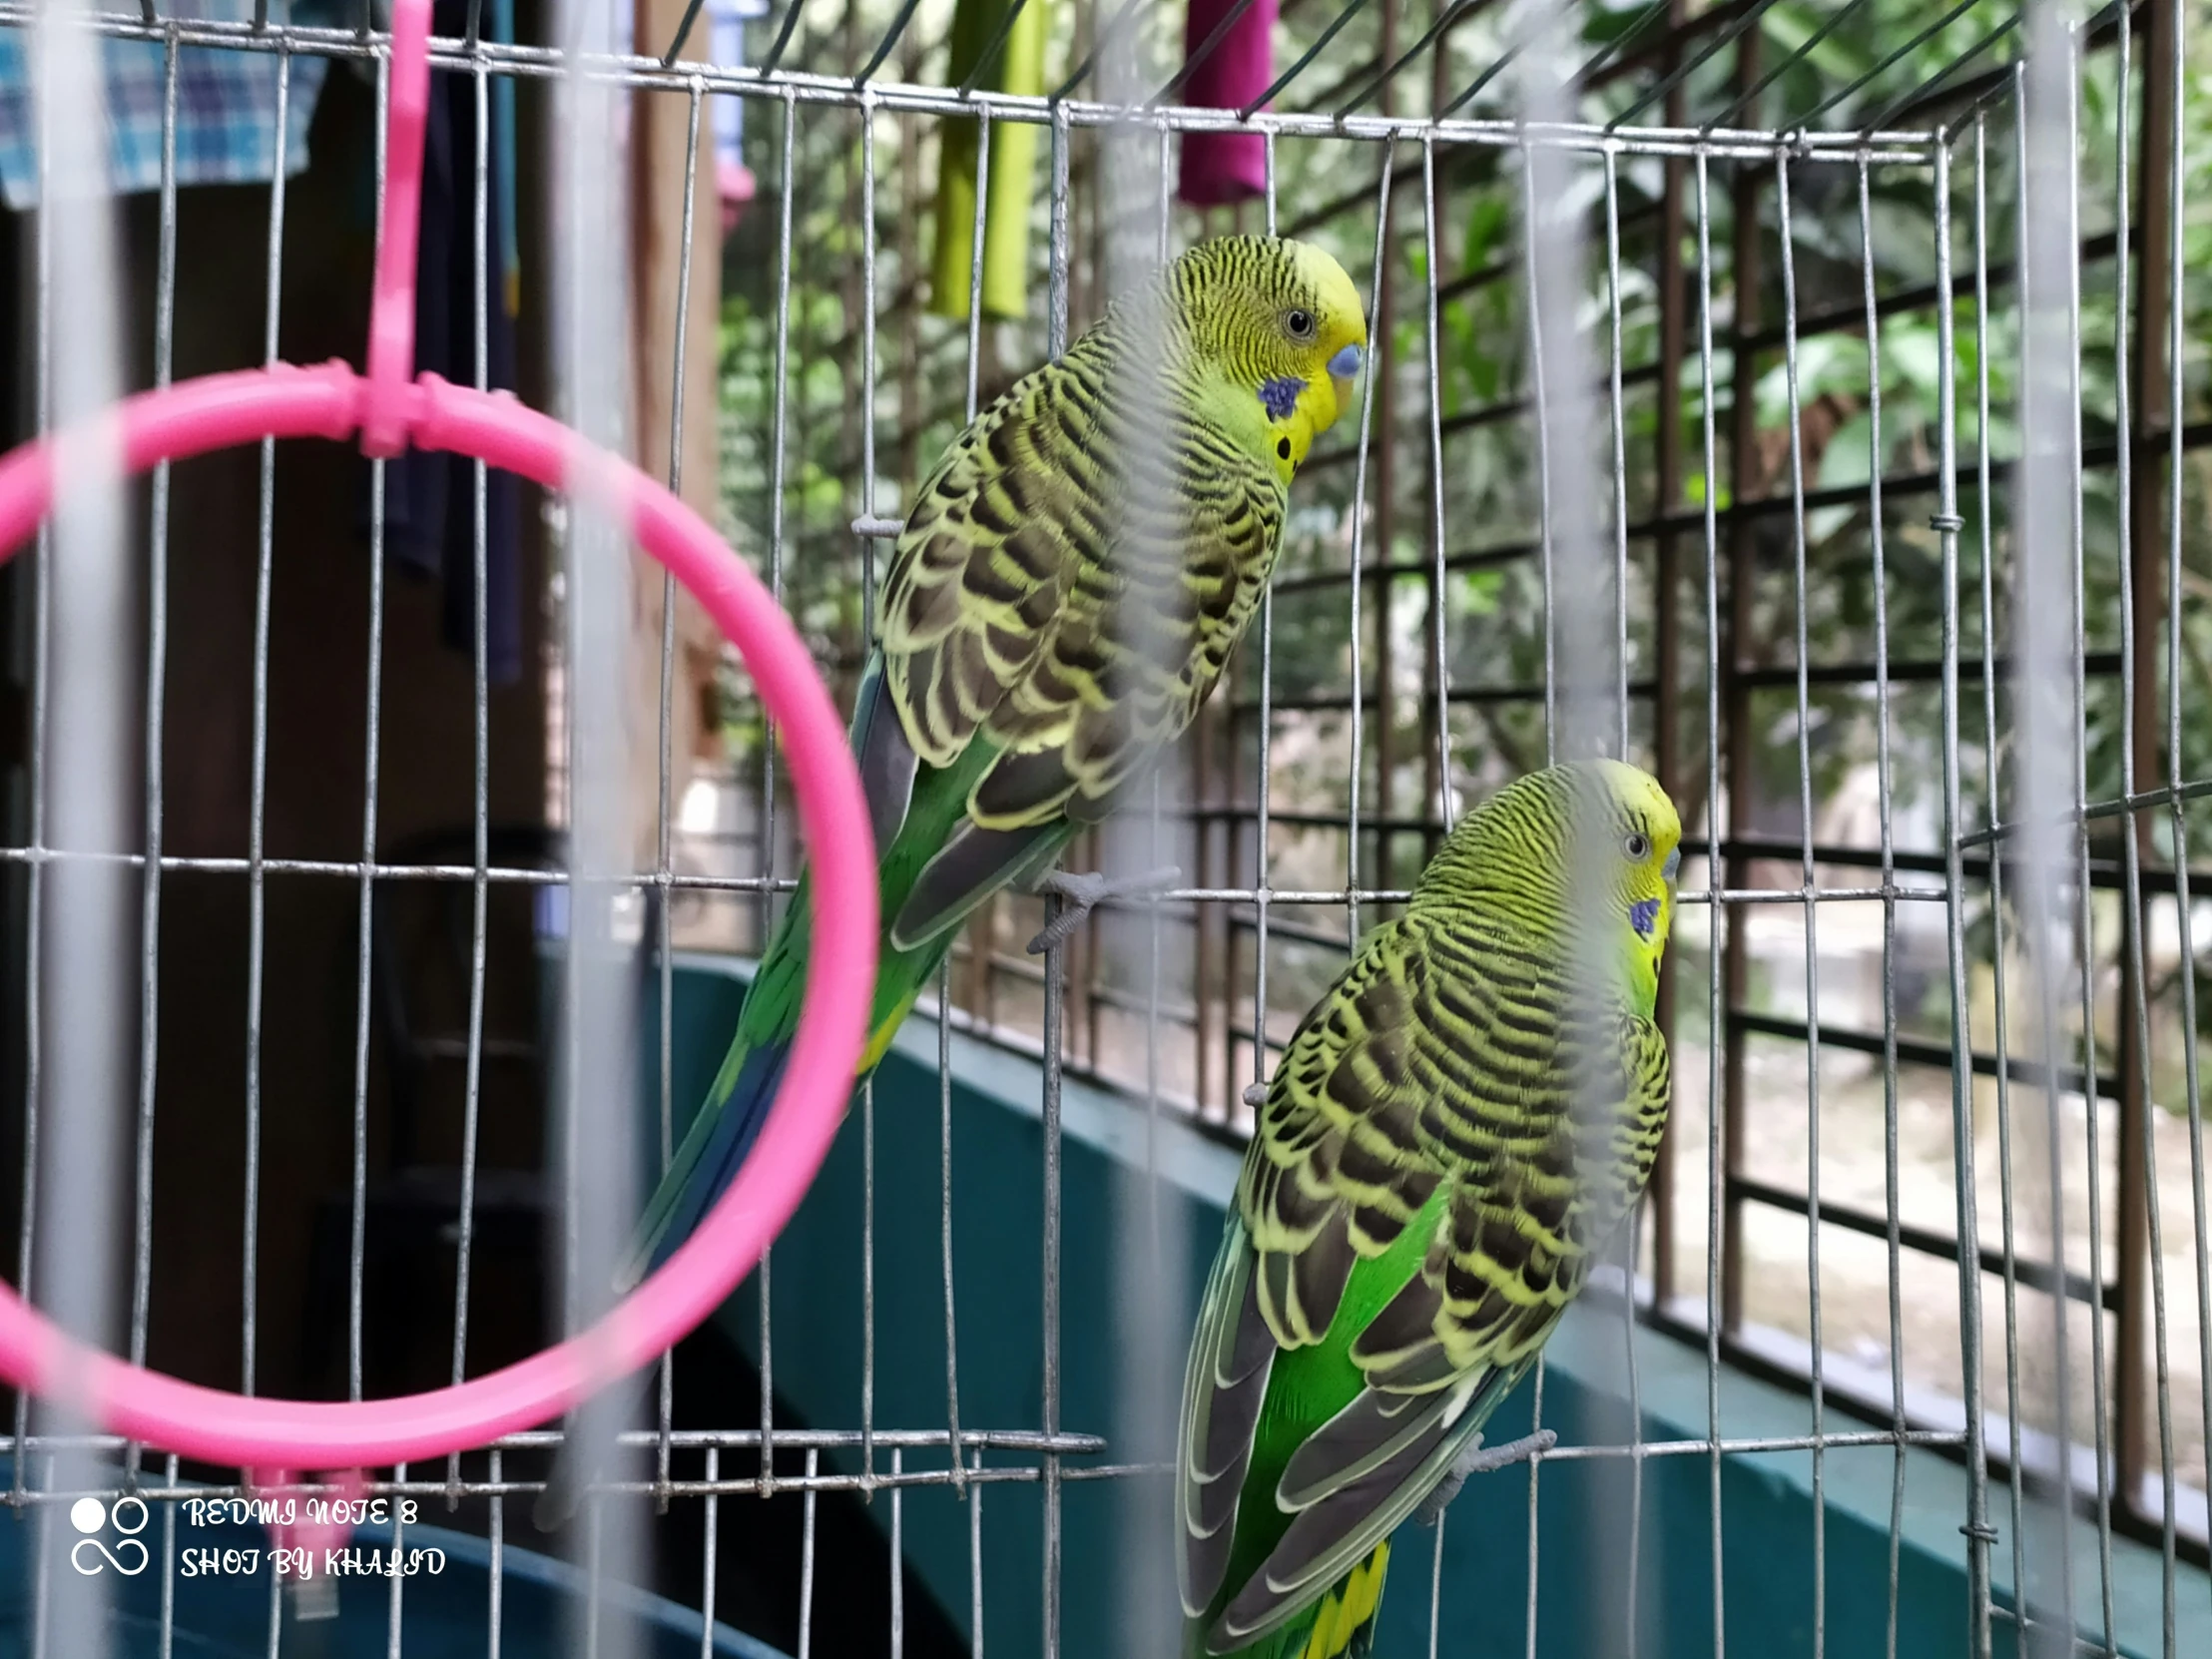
(1227,166)
(273,1439)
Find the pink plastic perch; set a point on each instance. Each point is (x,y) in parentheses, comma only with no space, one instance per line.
(1227,166)
(272,1439)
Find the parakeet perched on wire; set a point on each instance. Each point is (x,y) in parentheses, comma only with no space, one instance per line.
(1066,590)
(1452,1138)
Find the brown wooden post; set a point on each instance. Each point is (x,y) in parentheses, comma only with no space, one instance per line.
(1743,458)
(1666,621)
(913,197)
(1382,364)
(2134,1405)
(1433,781)
(661,129)
(1206,946)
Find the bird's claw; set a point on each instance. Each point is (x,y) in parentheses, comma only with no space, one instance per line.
(1480,1459)
(1256,1095)
(1085,890)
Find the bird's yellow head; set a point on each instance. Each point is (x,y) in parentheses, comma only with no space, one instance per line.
(1519,853)
(1281,325)
(1645,834)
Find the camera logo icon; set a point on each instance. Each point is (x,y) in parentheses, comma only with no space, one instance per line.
(90,1516)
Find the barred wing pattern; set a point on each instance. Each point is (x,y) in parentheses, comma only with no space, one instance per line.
(1436,1089)
(1055,615)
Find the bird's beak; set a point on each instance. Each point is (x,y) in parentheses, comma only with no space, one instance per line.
(1343,368)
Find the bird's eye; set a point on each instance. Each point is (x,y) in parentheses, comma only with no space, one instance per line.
(1637,846)
(1300,322)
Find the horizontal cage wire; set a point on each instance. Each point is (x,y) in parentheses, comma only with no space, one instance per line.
(1927,1230)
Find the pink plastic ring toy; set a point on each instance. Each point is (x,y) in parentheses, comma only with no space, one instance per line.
(270,1438)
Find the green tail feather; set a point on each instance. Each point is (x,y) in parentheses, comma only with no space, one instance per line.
(916,813)
(729,1120)
(1339,1626)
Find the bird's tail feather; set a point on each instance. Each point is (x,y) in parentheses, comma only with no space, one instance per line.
(721,1134)
(1341,1626)
(725,1129)
(702,1167)
(1343,1623)
(706,1162)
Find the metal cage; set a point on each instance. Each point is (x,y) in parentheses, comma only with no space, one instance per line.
(1906,1022)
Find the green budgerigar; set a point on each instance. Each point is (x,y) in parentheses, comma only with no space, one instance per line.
(1454,1135)
(1066,590)
(1062,599)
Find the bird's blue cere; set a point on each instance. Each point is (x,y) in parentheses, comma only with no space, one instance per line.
(1346,363)
(1280,395)
(1643,915)
(1673,866)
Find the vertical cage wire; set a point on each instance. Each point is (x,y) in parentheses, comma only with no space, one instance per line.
(2047,751)
(599,1094)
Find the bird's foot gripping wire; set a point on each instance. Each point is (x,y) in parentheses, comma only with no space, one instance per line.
(1084,892)
(1480,1459)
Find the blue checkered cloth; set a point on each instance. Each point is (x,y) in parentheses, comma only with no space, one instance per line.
(225,104)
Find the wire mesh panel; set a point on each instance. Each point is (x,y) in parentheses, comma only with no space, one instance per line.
(1845,473)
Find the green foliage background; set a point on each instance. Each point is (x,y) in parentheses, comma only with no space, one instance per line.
(1852,224)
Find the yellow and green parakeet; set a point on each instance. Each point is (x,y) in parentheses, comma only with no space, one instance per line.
(1455,1132)
(1066,590)
(1065,593)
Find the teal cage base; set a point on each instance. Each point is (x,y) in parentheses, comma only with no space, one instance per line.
(1768,1506)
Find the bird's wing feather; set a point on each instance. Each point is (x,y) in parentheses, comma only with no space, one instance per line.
(1336,1173)
(886,759)
(1068,598)
(1441,1059)
(979,575)
(1223,1391)
(1334,1535)
(973,864)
